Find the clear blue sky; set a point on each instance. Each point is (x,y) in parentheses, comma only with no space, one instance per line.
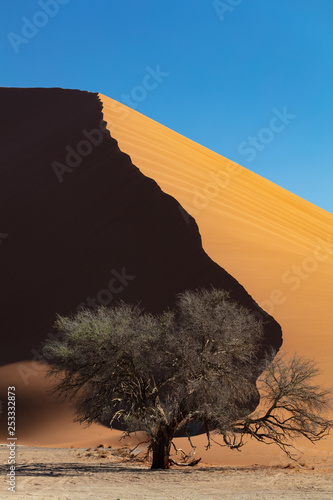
(230,64)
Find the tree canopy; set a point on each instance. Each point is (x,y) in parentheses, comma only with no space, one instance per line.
(158,373)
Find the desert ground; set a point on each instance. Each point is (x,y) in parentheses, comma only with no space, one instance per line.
(105,473)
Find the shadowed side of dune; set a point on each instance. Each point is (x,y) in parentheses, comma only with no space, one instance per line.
(84,226)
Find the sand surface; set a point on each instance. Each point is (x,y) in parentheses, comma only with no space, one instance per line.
(277,245)
(46,473)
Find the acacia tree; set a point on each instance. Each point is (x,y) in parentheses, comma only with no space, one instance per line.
(160,373)
(198,363)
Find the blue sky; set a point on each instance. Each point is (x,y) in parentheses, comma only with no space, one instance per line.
(229,67)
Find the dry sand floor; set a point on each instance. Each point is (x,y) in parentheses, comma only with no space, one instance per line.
(50,473)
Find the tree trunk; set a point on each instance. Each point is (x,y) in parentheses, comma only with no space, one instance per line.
(161,448)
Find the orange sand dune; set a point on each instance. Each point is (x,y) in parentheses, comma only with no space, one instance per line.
(44,419)
(278,246)
(83,226)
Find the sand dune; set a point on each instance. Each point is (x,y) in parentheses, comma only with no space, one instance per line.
(279,246)
(41,417)
(85,226)
(188,213)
